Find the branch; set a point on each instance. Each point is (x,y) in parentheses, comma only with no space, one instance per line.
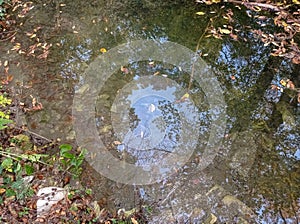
(258,4)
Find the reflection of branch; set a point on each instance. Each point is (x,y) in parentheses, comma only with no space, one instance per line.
(280,212)
(197,48)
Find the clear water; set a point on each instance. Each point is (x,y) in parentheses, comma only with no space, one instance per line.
(255,174)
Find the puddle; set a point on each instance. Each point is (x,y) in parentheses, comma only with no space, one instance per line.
(141,115)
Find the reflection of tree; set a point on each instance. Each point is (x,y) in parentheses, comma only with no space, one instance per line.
(172,120)
(247,71)
(133,119)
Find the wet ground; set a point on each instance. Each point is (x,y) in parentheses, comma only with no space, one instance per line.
(252,175)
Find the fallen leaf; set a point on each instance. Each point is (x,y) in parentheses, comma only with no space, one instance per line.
(2,190)
(117,142)
(151,63)
(290,85)
(103,50)
(200,13)
(225,31)
(124,70)
(134,221)
(283,82)
(183,98)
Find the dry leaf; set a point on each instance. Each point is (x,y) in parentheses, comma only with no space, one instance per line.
(103,50)
(133,220)
(200,13)
(290,85)
(151,63)
(225,31)
(117,142)
(283,82)
(2,190)
(124,70)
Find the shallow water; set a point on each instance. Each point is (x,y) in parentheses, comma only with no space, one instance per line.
(141,116)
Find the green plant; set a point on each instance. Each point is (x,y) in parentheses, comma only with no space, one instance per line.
(24,212)
(4,122)
(14,164)
(4,101)
(2,10)
(70,161)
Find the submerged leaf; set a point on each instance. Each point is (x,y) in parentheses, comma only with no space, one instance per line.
(225,31)
(103,50)
(200,13)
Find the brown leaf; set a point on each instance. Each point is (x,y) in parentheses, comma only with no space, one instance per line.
(117,142)
(124,70)
(133,220)
(2,190)
(290,85)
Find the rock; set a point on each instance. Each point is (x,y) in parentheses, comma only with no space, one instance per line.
(48,197)
(245,152)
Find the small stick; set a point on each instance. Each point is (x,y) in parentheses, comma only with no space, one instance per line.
(33,133)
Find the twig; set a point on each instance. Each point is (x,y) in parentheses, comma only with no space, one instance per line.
(33,133)
(9,37)
(258,4)
(17,157)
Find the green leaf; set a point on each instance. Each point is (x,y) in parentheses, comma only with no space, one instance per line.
(65,148)
(18,168)
(28,169)
(4,122)
(68,155)
(10,192)
(7,164)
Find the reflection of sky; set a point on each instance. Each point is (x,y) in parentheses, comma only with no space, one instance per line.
(244,67)
(289,145)
(71,67)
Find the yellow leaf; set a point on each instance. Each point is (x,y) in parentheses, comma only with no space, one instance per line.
(103,50)
(216,1)
(2,190)
(296,2)
(283,82)
(225,31)
(200,13)
(184,97)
